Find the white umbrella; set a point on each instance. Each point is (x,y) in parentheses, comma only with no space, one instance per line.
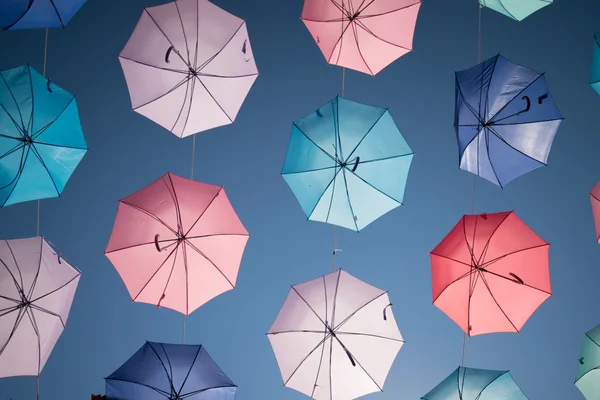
(188,66)
(37,287)
(335,337)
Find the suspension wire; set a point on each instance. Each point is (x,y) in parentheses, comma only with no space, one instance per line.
(335,250)
(192,178)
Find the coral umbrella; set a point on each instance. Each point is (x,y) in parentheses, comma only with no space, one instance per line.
(595,199)
(37,286)
(588,374)
(41,140)
(476,384)
(595,73)
(515,9)
(188,66)
(490,273)
(37,14)
(177,243)
(160,371)
(505,120)
(347,164)
(335,337)
(365,36)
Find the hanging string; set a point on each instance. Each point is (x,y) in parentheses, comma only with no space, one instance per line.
(37,224)
(192,178)
(335,249)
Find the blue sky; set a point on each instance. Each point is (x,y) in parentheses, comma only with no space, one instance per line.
(128,151)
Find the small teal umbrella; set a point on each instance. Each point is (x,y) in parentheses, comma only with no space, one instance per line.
(41,141)
(588,375)
(347,164)
(476,384)
(516,9)
(595,75)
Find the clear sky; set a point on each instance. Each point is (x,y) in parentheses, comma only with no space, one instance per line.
(127,152)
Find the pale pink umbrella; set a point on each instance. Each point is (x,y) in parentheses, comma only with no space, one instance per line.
(177,243)
(188,66)
(595,199)
(363,35)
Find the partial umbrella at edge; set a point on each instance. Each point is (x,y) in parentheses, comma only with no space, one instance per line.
(188,66)
(490,273)
(347,164)
(595,73)
(595,200)
(517,10)
(37,14)
(177,243)
(365,36)
(588,373)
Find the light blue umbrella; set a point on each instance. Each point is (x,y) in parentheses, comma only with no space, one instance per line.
(516,9)
(505,120)
(159,371)
(347,164)
(41,141)
(595,75)
(476,384)
(37,14)
(588,374)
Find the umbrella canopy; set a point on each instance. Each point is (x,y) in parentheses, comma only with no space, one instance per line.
(505,120)
(595,75)
(476,384)
(41,141)
(515,9)
(335,337)
(37,14)
(37,287)
(169,371)
(365,36)
(188,66)
(588,374)
(595,199)
(490,273)
(347,164)
(177,243)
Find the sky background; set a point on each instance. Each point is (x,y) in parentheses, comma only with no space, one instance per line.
(128,151)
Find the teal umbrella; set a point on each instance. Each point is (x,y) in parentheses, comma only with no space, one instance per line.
(588,374)
(476,384)
(595,75)
(516,9)
(347,164)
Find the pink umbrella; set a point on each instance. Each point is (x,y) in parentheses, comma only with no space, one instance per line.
(364,35)
(595,198)
(177,243)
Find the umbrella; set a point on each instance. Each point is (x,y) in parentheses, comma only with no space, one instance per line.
(335,337)
(490,273)
(595,75)
(515,9)
(347,164)
(35,14)
(41,141)
(365,36)
(476,384)
(37,287)
(177,243)
(169,371)
(188,66)
(588,374)
(595,199)
(505,120)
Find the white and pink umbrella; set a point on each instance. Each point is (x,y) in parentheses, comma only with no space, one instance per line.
(335,338)
(37,287)
(177,243)
(188,66)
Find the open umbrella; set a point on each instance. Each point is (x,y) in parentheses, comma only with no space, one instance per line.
(41,141)
(169,371)
(36,14)
(188,66)
(595,74)
(335,337)
(476,384)
(37,287)
(588,374)
(177,243)
(516,9)
(505,120)
(490,273)
(365,36)
(347,164)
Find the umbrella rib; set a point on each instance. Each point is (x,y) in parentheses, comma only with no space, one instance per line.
(307,171)
(489,240)
(475,113)
(15,123)
(304,359)
(187,290)
(350,202)
(487,147)
(165,35)
(213,97)
(37,334)
(56,290)
(595,342)
(313,142)
(512,147)
(170,373)
(174,88)
(496,301)
(210,261)
(369,335)
(332,195)
(203,212)
(5,311)
(366,134)
(366,29)
(513,281)
(506,9)
(60,146)
(156,272)
(30,122)
(187,49)
(40,309)
(380,191)
(176,71)
(37,155)
(140,245)
(35,135)
(227,76)
(487,263)
(62,24)
(295,331)
(187,117)
(163,364)
(12,253)
(310,307)
(175,202)
(19,289)
(339,42)
(323,194)
(527,123)
(17,176)
(450,258)
(148,214)
(14,99)
(210,59)
(189,371)
(141,384)
(37,273)
(185,396)
(386,12)
(14,329)
(355,34)
(357,310)
(463,276)
(183,103)
(515,96)
(21,17)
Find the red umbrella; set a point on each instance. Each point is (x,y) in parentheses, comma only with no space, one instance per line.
(490,273)
(595,198)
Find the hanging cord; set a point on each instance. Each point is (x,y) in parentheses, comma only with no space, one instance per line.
(192,178)
(37,224)
(335,249)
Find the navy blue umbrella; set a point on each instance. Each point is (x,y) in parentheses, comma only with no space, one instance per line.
(169,371)
(37,14)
